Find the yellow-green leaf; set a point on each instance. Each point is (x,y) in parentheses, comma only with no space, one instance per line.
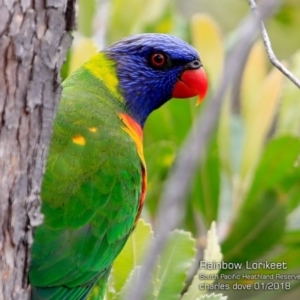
(212,253)
(212,296)
(124,20)
(132,254)
(174,263)
(289,121)
(207,39)
(254,74)
(224,136)
(82,51)
(258,123)
(86,12)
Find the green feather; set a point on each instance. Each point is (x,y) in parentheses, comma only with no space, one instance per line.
(91,188)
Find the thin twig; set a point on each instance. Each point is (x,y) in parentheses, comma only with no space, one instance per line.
(272,57)
(172,207)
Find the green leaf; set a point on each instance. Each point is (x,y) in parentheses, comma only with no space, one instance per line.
(211,297)
(163,137)
(159,157)
(65,69)
(132,254)
(174,263)
(256,229)
(288,119)
(230,140)
(254,75)
(172,114)
(124,20)
(292,238)
(261,220)
(212,253)
(87,9)
(231,134)
(207,184)
(131,284)
(291,256)
(291,186)
(258,121)
(169,274)
(277,161)
(82,51)
(207,39)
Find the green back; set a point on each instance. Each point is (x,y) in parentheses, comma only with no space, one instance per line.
(91,188)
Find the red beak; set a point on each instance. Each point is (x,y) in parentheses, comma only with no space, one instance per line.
(191,83)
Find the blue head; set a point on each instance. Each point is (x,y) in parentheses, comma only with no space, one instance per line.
(149,67)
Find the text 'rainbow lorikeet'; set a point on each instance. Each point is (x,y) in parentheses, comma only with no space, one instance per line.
(95,181)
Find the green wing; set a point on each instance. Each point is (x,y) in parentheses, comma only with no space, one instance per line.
(90,192)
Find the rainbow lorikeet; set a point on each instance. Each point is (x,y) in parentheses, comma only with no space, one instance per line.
(95,181)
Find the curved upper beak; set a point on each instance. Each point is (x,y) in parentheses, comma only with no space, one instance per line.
(192,82)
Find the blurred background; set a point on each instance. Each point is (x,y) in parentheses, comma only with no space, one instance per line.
(249,179)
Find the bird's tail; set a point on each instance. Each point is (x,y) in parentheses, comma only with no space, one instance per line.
(91,292)
(60,293)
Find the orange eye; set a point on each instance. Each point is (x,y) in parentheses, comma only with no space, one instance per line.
(158,59)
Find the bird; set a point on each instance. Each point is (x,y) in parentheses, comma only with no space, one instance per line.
(95,179)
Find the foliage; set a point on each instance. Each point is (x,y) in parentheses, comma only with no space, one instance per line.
(212,253)
(171,270)
(212,297)
(248,181)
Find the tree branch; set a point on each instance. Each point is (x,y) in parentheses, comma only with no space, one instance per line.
(172,207)
(271,55)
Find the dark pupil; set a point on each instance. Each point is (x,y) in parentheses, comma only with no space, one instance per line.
(158,59)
